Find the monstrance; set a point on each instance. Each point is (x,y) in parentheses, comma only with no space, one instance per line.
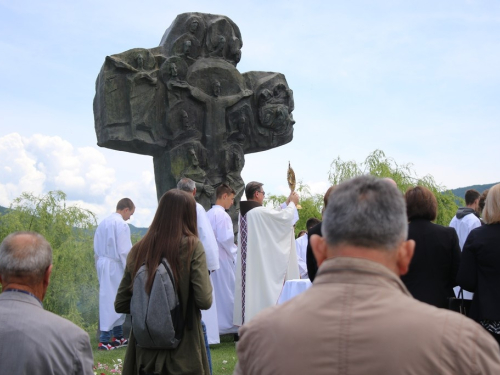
(290,177)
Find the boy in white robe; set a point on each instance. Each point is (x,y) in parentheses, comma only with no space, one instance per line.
(111,246)
(223,279)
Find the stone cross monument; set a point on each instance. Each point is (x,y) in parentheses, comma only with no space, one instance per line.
(185,103)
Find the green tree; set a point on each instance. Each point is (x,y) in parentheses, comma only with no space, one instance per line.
(378,164)
(73,290)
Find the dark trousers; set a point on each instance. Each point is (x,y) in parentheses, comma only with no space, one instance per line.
(495,336)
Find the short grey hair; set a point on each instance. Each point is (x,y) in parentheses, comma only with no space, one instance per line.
(26,258)
(186,184)
(251,188)
(366,211)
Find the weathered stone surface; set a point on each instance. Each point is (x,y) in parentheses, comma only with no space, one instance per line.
(186,104)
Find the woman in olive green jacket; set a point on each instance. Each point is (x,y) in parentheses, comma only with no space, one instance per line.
(172,235)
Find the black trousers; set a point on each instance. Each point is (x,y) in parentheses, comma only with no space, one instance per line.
(495,336)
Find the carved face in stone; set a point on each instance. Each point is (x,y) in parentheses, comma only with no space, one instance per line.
(140,62)
(242,122)
(185,119)
(186,48)
(276,117)
(237,56)
(221,42)
(173,70)
(193,158)
(216,88)
(238,165)
(193,27)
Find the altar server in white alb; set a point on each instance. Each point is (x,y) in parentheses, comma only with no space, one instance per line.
(111,247)
(301,247)
(207,238)
(266,253)
(223,279)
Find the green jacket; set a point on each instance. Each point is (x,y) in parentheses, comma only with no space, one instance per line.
(190,357)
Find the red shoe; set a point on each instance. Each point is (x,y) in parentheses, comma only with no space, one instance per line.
(119,343)
(105,346)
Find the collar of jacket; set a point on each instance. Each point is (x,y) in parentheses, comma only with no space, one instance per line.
(22,296)
(246,206)
(464,211)
(358,271)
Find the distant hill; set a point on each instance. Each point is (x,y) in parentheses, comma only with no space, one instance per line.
(460,192)
(139,231)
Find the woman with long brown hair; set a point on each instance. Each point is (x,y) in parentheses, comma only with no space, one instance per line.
(172,235)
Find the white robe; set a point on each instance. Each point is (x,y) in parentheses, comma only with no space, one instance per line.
(223,280)
(111,247)
(295,212)
(207,238)
(270,259)
(463,227)
(210,319)
(301,247)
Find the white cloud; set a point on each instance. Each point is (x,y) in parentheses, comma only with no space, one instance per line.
(18,169)
(41,163)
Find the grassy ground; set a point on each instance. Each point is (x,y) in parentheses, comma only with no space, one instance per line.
(223,356)
(106,362)
(110,362)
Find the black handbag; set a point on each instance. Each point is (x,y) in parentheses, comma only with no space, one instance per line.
(459,304)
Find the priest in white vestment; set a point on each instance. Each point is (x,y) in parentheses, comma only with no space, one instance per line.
(111,246)
(266,253)
(223,280)
(207,238)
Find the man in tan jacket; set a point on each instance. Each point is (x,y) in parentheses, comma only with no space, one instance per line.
(358,317)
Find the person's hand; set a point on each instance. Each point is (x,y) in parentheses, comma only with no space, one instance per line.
(294,197)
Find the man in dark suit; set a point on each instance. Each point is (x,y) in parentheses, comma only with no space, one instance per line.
(32,340)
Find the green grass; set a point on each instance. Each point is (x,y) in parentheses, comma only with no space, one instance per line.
(106,359)
(223,357)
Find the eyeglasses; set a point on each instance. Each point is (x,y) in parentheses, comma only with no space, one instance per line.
(263,193)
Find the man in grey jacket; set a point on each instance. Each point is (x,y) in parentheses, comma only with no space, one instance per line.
(32,340)
(358,317)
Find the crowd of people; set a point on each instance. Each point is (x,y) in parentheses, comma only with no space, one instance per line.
(383,275)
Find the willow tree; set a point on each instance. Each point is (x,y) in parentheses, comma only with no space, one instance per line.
(378,164)
(73,290)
